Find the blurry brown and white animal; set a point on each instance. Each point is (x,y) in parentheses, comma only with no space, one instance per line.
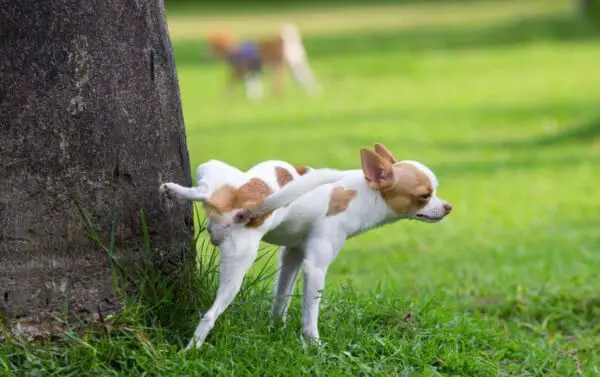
(248,59)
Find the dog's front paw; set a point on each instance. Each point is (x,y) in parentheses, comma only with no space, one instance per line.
(311,337)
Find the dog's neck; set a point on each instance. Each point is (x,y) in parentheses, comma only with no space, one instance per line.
(369,209)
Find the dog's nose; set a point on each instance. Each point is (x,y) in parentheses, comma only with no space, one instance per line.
(447,207)
(216,241)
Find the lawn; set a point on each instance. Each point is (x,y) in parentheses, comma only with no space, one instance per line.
(501,100)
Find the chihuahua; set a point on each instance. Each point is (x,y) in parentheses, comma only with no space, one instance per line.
(311,218)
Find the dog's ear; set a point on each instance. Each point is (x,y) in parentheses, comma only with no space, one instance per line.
(210,209)
(378,172)
(384,153)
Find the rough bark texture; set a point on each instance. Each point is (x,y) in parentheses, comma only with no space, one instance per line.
(89,111)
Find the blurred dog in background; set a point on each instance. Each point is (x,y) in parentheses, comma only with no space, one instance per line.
(248,59)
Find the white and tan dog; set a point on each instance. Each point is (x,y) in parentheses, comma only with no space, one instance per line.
(225,190)
(311,218)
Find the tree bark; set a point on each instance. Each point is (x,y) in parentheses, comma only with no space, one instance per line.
(89,112)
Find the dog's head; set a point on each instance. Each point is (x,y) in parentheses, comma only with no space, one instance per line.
(225,203)
(409,188)
(221,43)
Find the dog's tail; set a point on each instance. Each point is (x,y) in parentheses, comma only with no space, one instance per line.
(293,190)
(293,48)
(296,59)
(290,32)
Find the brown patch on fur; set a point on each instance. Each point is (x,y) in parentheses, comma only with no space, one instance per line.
(411,190)
(271,51)
(220,202)
(301,169)
(248,196)
(272,56)
(339,200)
(251,194)
(283,176)
(255,222)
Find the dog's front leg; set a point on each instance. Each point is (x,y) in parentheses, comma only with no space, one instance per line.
(318,256)
(235,78)
(278,79)
(254,87)
(238,252)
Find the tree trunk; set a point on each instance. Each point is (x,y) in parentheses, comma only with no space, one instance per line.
(89,112)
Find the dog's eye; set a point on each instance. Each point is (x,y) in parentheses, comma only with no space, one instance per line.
(425,196)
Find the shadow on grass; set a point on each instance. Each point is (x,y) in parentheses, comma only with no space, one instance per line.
(491,167)
(403,115)
(585,132)
(582,134)
(520,31)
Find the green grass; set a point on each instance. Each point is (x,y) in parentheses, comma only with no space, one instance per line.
(506,113)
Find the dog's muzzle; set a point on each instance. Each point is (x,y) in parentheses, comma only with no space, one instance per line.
(216,240)
(216,234)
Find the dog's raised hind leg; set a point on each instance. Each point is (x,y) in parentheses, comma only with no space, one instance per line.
(173,190)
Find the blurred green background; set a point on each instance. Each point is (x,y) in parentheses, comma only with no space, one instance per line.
(499,98)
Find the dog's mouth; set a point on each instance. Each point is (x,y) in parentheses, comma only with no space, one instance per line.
(216,237)
(428,219)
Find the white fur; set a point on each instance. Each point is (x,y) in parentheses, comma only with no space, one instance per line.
(254,87)
(311,181)
(238,244)
(318,238)
(296,58)
(310,239)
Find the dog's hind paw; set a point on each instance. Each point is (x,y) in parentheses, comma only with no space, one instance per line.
(166,190)
(193,344)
